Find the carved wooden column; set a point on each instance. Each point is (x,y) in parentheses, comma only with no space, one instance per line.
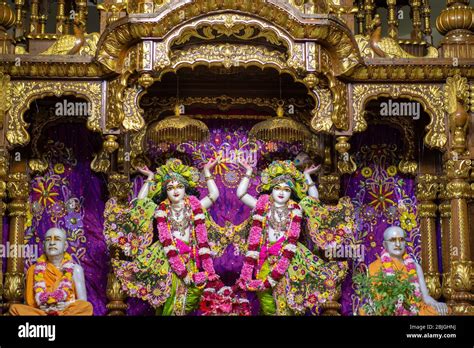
(458,189)
(20,24)
(426,190)
(3,206)
(392,19)
(18,189)
(426,19)
(369,14)
(445,215)
(416,33)
(61,17)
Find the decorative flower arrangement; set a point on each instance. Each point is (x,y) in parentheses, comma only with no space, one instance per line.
(130,243)
(389,292)
(203,255)
(223,302)
(255,240)
(64,290)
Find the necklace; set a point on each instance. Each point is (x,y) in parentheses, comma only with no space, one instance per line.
(278,218)
(180,219)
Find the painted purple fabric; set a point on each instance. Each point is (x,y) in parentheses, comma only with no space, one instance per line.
(378,192)
(75,202)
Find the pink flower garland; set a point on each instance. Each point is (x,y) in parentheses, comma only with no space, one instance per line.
(387,269)
(256,238)
(65,287)
(172,253)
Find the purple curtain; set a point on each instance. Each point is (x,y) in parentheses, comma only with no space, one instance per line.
(382,197)
(70,196)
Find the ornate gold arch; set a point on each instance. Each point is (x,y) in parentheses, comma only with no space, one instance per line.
(327,30)
(431,98)
(23,93)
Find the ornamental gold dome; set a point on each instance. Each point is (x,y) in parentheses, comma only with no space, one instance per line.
(177,129)
(280,128)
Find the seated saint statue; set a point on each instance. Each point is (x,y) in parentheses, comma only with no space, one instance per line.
(395,258)
(55,285)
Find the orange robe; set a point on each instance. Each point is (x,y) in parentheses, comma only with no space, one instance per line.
(376,267)
(52,279)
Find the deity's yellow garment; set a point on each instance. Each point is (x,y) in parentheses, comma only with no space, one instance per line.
(376,267)
(52,277)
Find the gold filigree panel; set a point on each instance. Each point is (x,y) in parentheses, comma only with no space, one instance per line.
(24,92)
(430,96)
(331,33)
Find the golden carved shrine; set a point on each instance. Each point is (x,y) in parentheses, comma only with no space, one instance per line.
(379,93)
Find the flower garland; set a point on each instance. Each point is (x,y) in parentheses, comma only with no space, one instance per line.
(65,287)
(172,253)
(256,238)
(388,269)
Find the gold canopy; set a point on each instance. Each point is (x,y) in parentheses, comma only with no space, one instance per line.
(280,128)
(177,129)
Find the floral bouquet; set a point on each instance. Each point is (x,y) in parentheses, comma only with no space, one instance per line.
(386,294)
(223,302)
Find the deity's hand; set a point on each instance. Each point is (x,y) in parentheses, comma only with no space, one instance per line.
(147,172)
(212,162)
(245,164)
(441,308)
(311,170)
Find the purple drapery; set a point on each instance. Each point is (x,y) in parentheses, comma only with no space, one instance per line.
(379,193)
(69,150)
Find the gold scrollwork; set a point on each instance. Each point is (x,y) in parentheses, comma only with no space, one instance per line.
(433,284)
(322,121)
(228,55)
(5,96)
(461,274)
(329,32)
(457,99)
(430,96)
(24,92)
(329,187)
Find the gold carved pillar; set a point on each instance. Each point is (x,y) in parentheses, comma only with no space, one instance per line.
(18,189)
(458,190)
(416,19)
(426,190)
(392,19)
(61,17)
(119,188)
(3,206)
(445,215)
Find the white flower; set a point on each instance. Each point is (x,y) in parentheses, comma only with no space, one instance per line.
(160,213)
(258,217)
(252,254)
(290,247)
(199,217)
(272,281)
(169,248)
(204,251)
(297,212)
